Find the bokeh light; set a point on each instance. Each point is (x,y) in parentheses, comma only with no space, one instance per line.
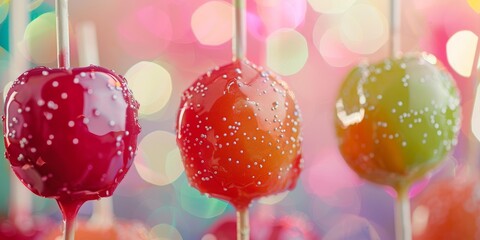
(35,4)
(4,6)
(327,40)
(40,40)
(476,115)
(364,29)
(331,6)
(165,232)
(287,51)
(475,5)
(166,214)
(274,199)
(448,209)
(333,51)
(420,215)
(151,85)
(199,205)
(158,161)
(352,227)
(281,14)
(178,42)
(330,178)
(145,32)
(212,23)
(461,49)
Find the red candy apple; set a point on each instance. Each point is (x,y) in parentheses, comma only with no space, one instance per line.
(238,132)
(449,209)
(70,134)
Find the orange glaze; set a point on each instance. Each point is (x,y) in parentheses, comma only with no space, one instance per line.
(238,131)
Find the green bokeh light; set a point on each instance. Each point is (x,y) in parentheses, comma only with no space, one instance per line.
(287,51)
(197,204)
(38,8)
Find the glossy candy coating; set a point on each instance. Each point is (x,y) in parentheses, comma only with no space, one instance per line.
(449,209)
(397,119)
(238,131)
(70,134)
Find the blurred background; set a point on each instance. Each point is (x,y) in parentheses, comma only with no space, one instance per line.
(162,46)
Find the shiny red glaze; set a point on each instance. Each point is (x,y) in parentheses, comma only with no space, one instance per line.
(448,209)
(70,134)
(238,132)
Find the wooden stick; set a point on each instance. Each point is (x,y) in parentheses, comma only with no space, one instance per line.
(239,41)
(239,49)
(63,41)
(395,27)
(243,226)
(403,225)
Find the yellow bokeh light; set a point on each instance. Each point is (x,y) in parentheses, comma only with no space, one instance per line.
(35,4)
(151,85)
(475,5)
(332,49)
(4,6)
(158,161)
(287,51)
(274,199)
(212,23)
(461,48)
(165,232)
(39,39)
(364,29)
(326,38)
(331,6)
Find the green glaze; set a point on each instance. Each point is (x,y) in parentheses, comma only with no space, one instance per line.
(397,119)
